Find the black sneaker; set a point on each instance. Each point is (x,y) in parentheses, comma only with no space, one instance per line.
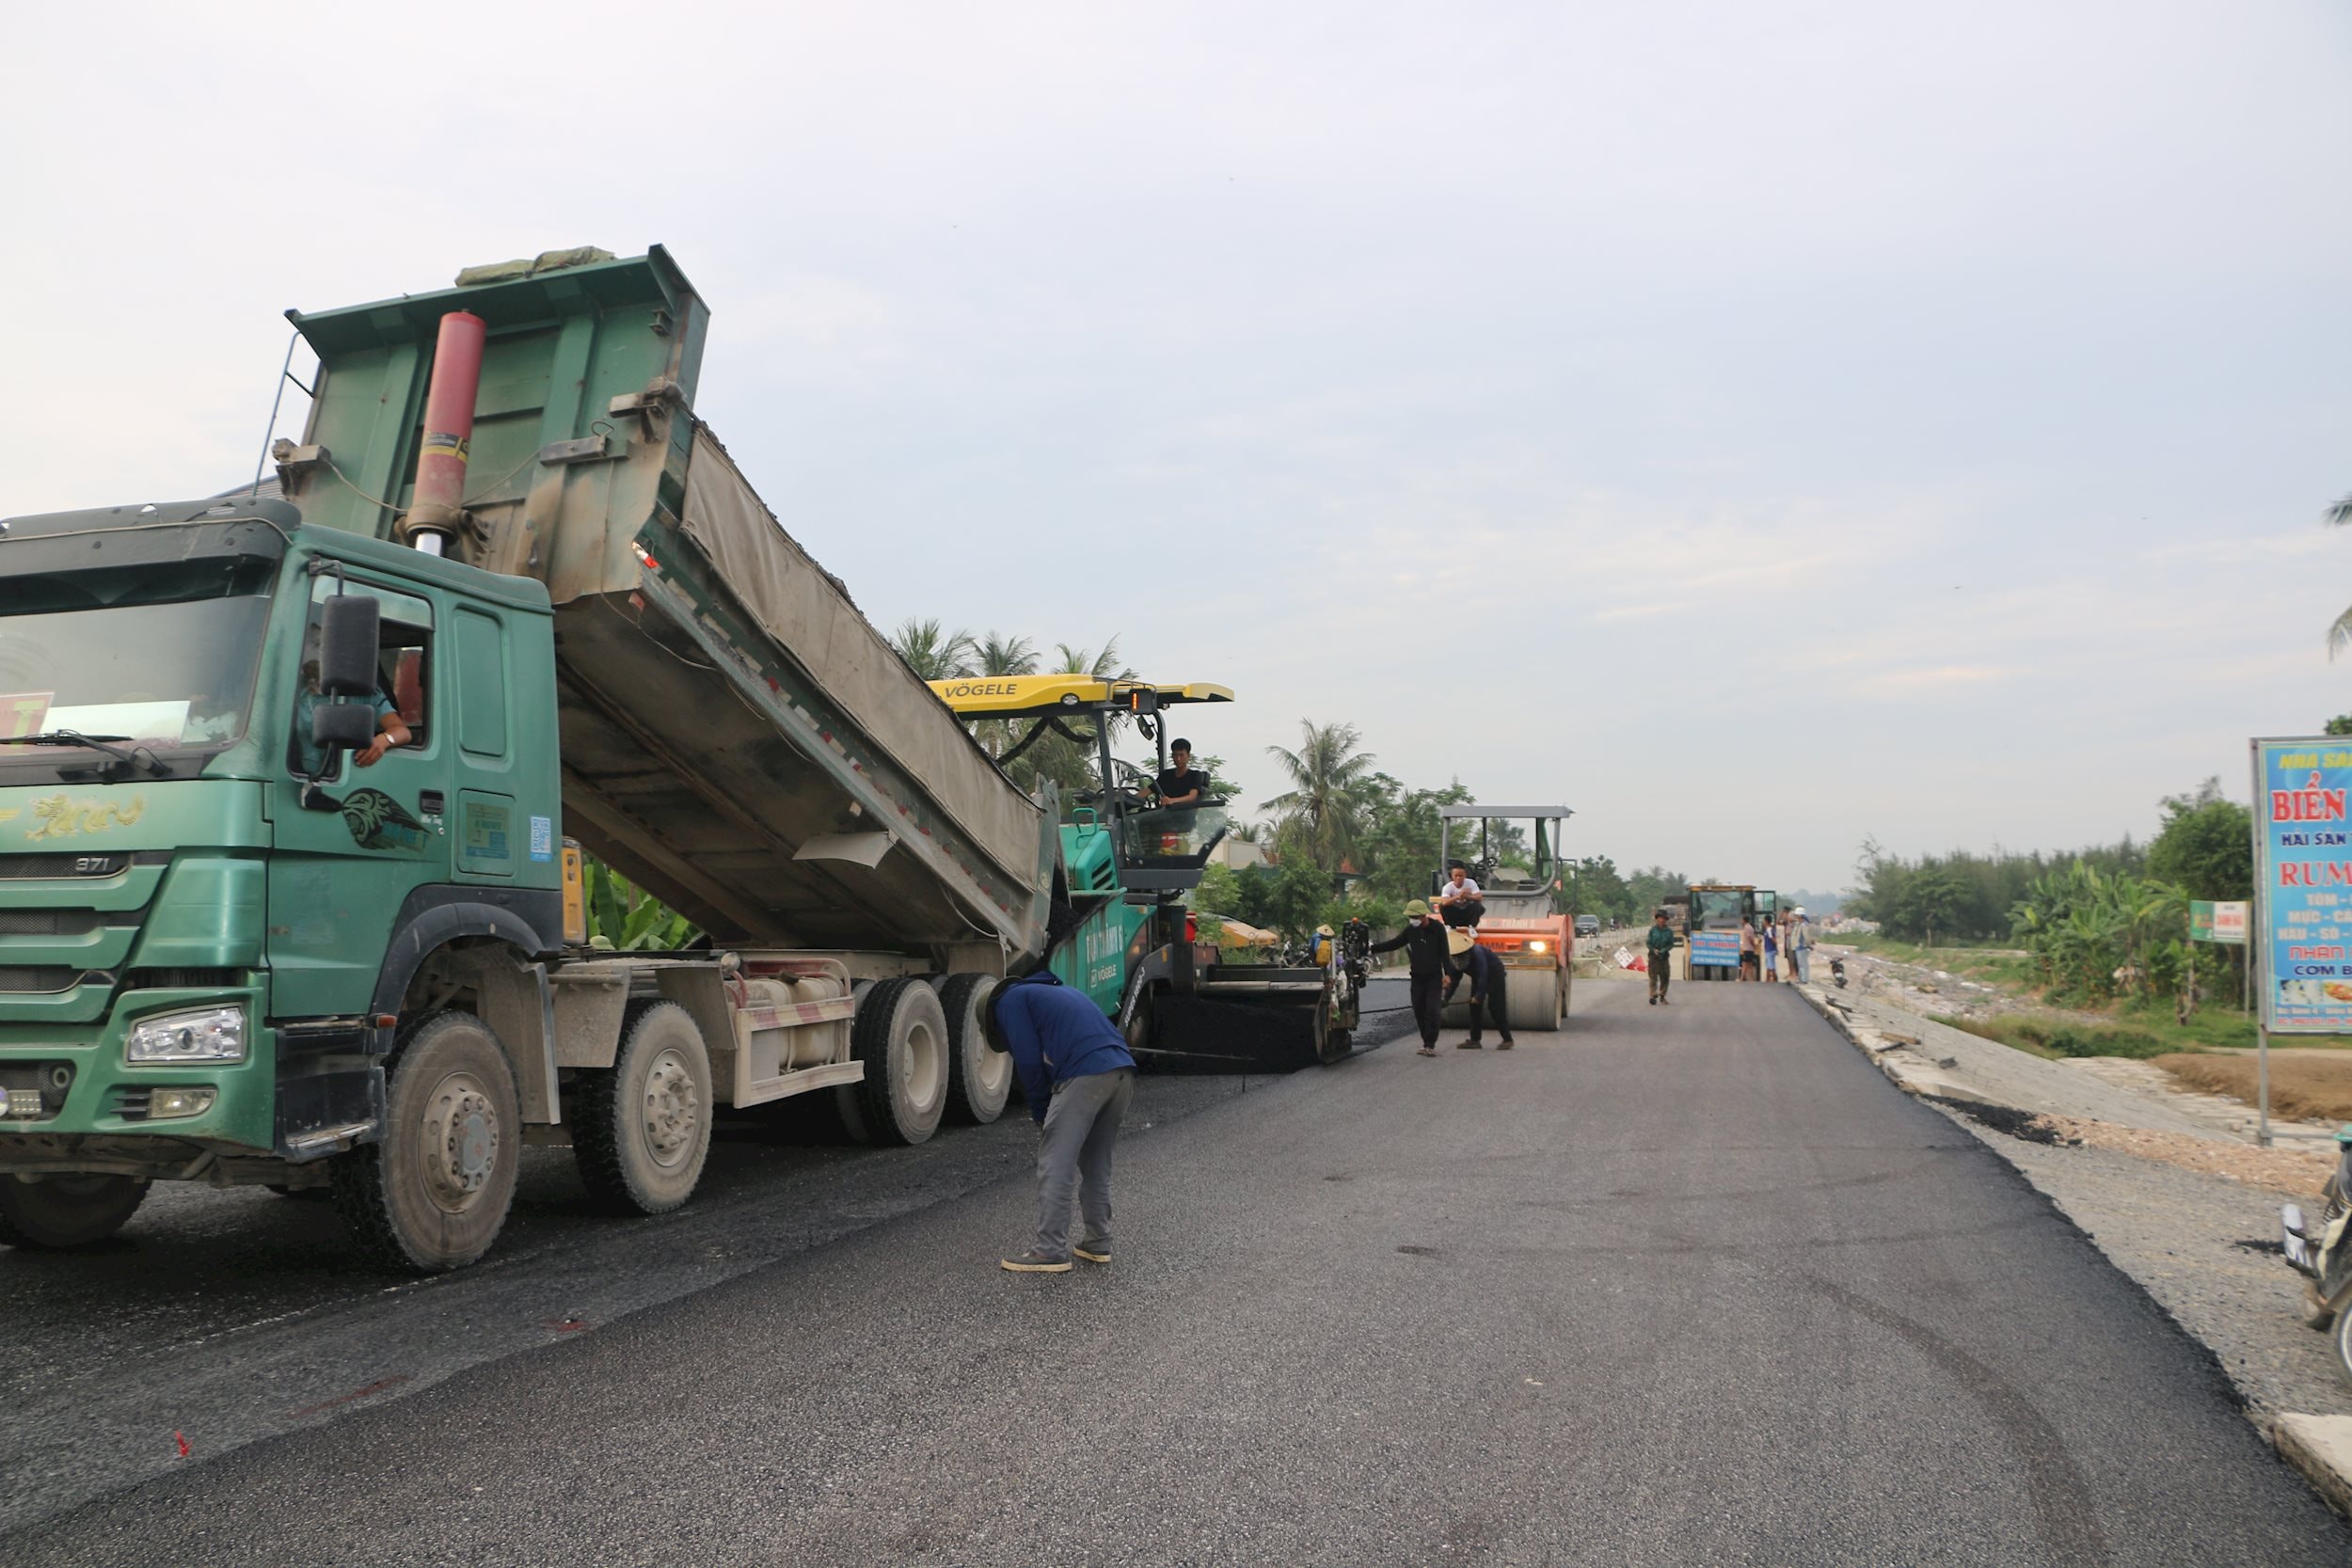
(1034,1262)
(1093,1252)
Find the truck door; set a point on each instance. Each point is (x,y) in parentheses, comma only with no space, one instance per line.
(489,841)
(341,867)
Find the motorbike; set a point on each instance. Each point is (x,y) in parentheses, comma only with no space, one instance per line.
(1837,972)
(2323,1254)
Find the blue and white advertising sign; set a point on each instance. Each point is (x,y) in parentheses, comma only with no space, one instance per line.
(2303,883)
(1715,947)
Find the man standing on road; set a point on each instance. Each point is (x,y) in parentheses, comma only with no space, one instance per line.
(1661,942)
(1751,961)
(1485,973)
(1078,1078)
(1424,945)
(1801,948)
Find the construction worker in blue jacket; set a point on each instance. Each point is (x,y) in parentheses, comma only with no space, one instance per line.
(1490,986)
(1078,1078)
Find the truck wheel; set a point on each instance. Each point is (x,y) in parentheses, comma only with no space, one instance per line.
(59,1213)
(642,1125)
(433,1193)
(980,1078)
(900,1034)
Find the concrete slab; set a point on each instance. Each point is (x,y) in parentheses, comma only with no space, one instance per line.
(2321,1448)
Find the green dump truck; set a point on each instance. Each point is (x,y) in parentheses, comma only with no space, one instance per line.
(288,786)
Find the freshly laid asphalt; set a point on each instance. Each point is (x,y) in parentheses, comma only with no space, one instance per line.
(1674,1286)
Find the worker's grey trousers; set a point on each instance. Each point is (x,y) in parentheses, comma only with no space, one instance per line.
(1081,1131)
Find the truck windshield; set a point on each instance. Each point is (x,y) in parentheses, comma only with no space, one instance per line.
(163,655)
(1715,911)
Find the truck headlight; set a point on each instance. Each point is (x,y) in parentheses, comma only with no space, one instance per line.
(205,1035)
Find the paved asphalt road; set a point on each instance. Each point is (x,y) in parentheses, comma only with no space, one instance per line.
(1677,1285)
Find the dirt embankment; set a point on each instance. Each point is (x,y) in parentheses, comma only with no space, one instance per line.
(2305,1086)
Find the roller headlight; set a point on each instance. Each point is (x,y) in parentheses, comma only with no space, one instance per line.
(205,1035)
(1539,947)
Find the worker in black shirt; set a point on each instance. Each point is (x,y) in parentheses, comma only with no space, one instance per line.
(1180,782)
(1424,940)
(1485,972)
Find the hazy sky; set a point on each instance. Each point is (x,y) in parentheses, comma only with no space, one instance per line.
(1753,426)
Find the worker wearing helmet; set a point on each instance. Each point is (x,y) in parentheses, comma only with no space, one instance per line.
(1423,940)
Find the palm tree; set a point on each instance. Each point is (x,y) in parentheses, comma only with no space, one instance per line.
(995,655)
(2340,635)
(932,653)
(1104,666)
(999,655)
(1323,803)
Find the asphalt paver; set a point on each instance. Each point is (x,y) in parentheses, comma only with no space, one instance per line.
(1679,1285)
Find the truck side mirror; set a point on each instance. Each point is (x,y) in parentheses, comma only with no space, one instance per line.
(345,727)
(347,645)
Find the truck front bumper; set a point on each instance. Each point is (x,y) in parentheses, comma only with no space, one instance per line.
(71,1087)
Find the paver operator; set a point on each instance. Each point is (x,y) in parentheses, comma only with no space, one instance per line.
(1424,942)
(1078,1078)
(1661,942)
(1487,978)
(1180,783)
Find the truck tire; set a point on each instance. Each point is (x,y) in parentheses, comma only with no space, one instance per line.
(979,1077)
(432,1193)
(900,1034)
(60,1213)
(640,1128)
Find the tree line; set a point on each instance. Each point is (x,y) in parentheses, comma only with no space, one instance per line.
(2105,921)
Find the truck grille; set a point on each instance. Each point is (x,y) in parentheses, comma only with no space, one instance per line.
(53,923)
(28,979)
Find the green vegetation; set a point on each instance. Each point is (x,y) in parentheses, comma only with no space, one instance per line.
(627,918)
(2052,1038)
(2006,967)
(2106,922)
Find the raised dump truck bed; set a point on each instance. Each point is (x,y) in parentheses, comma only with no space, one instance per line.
(737,736)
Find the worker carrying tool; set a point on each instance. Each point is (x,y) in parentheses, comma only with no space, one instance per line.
(1487,983)
(1078,1078)
(1424,942)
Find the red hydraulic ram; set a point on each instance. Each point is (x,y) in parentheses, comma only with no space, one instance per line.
(438,509)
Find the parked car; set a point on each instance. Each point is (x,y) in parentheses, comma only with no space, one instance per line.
(1588,924)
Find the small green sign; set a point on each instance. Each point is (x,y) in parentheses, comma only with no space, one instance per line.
(2217,920)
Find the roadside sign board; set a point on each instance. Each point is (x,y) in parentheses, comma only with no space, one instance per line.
(2216,920)
(2303,884)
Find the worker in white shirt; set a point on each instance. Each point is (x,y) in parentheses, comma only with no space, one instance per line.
(1459,901)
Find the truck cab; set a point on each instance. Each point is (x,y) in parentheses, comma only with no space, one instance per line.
(209,919)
